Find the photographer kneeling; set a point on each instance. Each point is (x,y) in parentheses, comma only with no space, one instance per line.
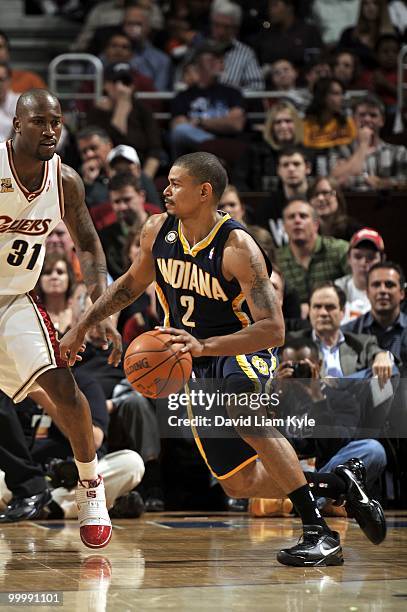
(319,420)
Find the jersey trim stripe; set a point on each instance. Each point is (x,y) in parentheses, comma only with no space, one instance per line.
(205,241)
(164,304)
(273,365)
(22,392)
(61,200)
(202,451)
(44,330)
(246,367)
(30,195)
(236,305)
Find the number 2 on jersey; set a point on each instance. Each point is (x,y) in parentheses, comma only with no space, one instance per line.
(187,301)
(20,248)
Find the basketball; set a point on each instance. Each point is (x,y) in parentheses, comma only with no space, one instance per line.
(155,369)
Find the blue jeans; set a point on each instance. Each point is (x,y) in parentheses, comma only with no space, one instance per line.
(371,452)
(185,137)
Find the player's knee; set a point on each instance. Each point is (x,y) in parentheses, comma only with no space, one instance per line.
(242,484)
(134,467)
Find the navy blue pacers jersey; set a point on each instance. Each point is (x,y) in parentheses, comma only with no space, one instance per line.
(192,291)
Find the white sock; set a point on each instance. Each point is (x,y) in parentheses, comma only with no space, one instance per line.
(87,471)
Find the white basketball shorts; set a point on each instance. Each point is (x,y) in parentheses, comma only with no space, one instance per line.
(28,345)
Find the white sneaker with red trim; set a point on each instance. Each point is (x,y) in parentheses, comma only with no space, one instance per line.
(94,520)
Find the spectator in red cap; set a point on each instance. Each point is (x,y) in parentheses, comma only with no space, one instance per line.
(366,248)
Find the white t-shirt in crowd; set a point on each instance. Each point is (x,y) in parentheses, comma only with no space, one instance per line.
(357,302)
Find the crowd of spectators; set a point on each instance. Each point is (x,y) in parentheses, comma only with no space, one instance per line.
(328,130)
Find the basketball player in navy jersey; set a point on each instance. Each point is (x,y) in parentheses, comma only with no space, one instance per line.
(36,192)
(206,266)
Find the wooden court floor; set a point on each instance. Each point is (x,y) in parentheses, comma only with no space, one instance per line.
(193,562)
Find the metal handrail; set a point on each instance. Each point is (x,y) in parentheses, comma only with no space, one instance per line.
(401,86)
(96,76)
(54,76)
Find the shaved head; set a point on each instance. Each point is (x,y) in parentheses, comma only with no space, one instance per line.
(35,98)
(37,124)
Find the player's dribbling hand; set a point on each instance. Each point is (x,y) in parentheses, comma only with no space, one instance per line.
(180,336)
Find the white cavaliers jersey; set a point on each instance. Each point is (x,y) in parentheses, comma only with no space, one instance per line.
(26,219)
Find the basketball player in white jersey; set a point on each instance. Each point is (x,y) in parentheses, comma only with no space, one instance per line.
(36,192)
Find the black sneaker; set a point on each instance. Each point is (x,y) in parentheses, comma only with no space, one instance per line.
(367,512)
(315,548)
(26,508)
(128,506)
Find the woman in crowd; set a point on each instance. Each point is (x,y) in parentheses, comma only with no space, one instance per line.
(282,128)
(373,20)
(328,200)
(346,68)
(55,289)
(326,124)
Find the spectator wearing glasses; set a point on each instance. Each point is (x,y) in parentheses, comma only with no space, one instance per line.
(329,201)
(366,248)
(240,66)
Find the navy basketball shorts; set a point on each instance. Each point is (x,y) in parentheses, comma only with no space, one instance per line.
(240,374)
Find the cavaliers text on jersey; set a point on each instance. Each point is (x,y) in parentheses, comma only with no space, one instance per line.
(26,219)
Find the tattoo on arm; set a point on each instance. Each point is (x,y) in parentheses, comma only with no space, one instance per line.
(80,224)
(261,292)
(116,297)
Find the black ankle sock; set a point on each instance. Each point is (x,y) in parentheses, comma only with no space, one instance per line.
(325,485)
(306,507)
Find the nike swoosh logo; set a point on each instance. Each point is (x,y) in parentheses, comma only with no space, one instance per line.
(365,498)
(329,551)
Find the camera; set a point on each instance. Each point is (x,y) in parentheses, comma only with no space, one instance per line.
(301,370)
(124,77)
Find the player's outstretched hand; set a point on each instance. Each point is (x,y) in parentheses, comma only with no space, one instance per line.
(180,336)
(106,331)
(71,344)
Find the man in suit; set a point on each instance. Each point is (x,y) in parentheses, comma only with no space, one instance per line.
(349,355)
(388,324)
